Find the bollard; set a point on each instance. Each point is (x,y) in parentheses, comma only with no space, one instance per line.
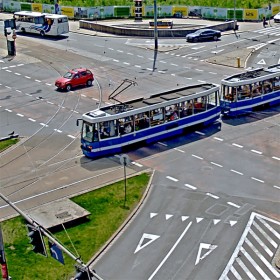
(238,62)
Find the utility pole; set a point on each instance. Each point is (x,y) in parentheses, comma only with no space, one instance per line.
(37,227)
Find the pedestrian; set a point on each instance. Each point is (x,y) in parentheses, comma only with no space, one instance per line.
(264,22)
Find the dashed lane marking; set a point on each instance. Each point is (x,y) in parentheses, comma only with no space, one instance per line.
(172,179)
(190,186)
(237,145)
(233,204)
(237,172)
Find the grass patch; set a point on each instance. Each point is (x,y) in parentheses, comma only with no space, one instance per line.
(7,143)
(106,206)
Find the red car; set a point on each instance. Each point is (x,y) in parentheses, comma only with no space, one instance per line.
(74,78)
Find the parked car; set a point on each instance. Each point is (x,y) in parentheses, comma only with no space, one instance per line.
(178,15)
(74,78)
(277,18)
(203,34)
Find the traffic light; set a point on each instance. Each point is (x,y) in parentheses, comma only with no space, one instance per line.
(36,240)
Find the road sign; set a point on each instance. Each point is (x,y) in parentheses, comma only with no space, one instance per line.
(124,160)
(56,252)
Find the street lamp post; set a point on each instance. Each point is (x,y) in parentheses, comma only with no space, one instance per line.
(155,25)
(234,16)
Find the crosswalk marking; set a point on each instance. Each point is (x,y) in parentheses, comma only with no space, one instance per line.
(235,273)
(262,258)
(255,265)
(244,267)
(272,242)
(269,252)
(270,228)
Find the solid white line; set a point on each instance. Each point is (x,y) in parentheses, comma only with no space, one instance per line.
(20,115)
(233,204)
(237,172)
(197,157)
(237,145)
(262,244)
(258,180)
(212,195)
(214,163)
(254,264)
(257,152)
(269,239)
(263,259)
(172,179)
(246,270)
(71,136)
(32,120)
(171,250)
(191,187)
(219,139)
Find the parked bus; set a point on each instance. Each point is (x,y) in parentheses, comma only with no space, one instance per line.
(106,130)
(243,92)
(40,23)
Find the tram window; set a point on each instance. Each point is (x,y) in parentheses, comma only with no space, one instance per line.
(243,92)
(199,105)
(126,125)
(142,120)
(256,89)
(156,116)
(230,93)
(276,83)
(211,100)
(107,129)
(89,132)
(171,113)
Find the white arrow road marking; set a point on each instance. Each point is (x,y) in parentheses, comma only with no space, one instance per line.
(209,247)
(152,238)
(168,216)
(184,218)
(199,219)
(216,221)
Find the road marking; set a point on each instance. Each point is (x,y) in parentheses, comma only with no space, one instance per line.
(262,258)
(277,158)
(257,152)
(216,164)
(20,115)
(137,164)
(126,63)
(120,51)
(83,95)
(209,247)
(199,132)
(8,87)
(18,90)
(214,73)
(9,71)
(57,130)
(163,144)
(216,221)
(215,52)
(184,218)
(233,204)
(197,157)
(198,220)
(8,110)
(276,187)
(219,139)
(152,238)
(258,180)
(201,81)
(244,267)
(269,228)
(48,84)
(161,61)
(212,195)
(18,74)
(191,187)
(38,81)
(27,77)
(237,172)
(199,70)
(174,64)
(153,215)
(137,66)
(171,250)
(32,120)
(269,252)
(71,136)
(50,103)
(115,60)
(172,179)
(43,124)
(181,151)
(269,239)
(237,145)
(168,216)
(235,273)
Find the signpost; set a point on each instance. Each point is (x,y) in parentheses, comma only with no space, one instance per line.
(56,252)
(124,160)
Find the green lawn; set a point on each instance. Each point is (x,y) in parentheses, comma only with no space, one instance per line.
(106,206)
(7,143)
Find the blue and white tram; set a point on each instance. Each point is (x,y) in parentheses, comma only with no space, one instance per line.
(106,130)
(242,92)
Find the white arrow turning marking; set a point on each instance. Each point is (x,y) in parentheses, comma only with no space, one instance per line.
(209,247)
(152,238)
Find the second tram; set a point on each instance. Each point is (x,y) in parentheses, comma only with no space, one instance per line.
(241,93)
(108,129)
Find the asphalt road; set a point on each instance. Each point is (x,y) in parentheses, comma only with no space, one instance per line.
(207,183)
